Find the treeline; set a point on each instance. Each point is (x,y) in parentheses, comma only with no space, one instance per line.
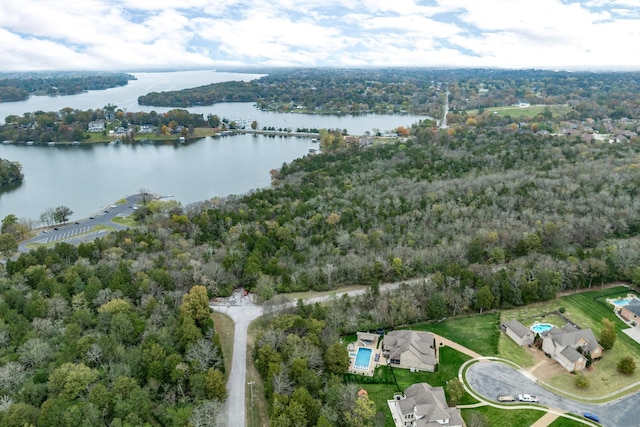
(420,91)
(19,86)
(10,172)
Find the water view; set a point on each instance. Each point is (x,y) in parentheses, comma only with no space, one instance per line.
(87,178)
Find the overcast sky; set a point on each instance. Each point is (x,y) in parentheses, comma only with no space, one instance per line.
(134,35)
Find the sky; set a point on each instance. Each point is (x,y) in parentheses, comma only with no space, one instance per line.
(136,35)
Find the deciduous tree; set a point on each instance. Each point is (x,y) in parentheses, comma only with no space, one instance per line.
(627,365)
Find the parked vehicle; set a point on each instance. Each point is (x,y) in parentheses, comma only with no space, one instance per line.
(527,398)
(592,417)
(506,398)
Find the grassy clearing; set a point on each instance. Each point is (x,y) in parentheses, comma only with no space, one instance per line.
(503,418)
(520,112)
(479,333)
(257,406)
(225,329)
(128,221)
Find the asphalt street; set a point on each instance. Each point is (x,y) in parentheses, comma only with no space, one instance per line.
(490,378)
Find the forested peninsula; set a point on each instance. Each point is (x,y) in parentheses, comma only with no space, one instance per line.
(19,86)
(10,172)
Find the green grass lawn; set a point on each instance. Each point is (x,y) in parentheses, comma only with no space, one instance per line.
(518,112)
(503,418)
(479,333)
(128,221)
(509,350)
(587,310)
(565,422)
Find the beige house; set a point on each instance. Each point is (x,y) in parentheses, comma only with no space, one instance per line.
(411,350)
(563,345)
(518,332)
(424,406)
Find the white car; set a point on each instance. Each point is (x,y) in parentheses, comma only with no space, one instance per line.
(527,398)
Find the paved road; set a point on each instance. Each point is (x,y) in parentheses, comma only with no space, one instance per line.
(243,311)
(490,378)
(84,229)
(486,378)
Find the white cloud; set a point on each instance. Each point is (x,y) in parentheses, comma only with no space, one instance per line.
(134,34)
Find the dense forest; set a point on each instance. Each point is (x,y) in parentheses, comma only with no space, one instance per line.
(416,90)
(487,214)
(117,331)
(19,86)
(10,172)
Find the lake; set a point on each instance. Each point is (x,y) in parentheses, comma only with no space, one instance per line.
(88,178)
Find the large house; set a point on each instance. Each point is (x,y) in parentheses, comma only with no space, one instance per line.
(424,406)
(518,332)
(96,126)
(563,345)
(411,350)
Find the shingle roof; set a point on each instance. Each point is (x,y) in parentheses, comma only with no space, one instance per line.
(517,327)
(418,343)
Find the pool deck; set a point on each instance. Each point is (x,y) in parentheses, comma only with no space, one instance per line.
(375,360)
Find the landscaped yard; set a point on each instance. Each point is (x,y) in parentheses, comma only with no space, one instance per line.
(587,309)
(450,362)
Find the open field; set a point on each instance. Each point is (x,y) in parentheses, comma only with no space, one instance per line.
(519,112)
(480,333)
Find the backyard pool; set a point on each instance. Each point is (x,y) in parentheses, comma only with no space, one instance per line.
(539,328)
(621,302)
(363,358)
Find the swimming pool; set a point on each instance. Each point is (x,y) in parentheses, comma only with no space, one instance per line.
(621,302)
(539,328)
(363,358)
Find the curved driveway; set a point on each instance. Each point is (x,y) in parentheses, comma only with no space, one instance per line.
(490,378)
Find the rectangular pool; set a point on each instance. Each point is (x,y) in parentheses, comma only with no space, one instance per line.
(363,358)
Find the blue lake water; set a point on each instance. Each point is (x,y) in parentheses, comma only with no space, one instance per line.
(88,178)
